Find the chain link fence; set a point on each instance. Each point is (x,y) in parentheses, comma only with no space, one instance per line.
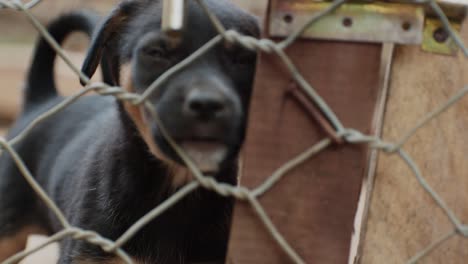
(251,196)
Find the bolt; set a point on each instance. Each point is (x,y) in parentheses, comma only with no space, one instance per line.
(288,18)
(347,22)
(440,35)
(406,26)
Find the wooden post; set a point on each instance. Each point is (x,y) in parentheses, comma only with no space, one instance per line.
(314,206)
(403,218)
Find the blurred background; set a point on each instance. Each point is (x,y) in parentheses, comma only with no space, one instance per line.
(17,38)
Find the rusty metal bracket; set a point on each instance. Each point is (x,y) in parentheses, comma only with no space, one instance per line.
(361,22)
(392,21)
(437,39)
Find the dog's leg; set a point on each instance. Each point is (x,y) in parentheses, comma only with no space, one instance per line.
(16,242)
(19,215)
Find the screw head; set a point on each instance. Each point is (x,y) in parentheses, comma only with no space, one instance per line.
(288,18)
(347,22)
(440,35)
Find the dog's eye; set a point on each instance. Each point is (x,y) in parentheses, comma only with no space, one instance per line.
(154,52)
(240,56)
(244,57)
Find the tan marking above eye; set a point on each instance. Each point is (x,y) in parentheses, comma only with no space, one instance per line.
(180,174)
(126,77)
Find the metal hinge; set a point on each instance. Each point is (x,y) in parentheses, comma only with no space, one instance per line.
(402,22)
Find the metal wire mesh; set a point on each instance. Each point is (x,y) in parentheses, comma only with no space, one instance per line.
(250,196)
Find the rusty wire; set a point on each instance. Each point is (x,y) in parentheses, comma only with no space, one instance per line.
(350,135)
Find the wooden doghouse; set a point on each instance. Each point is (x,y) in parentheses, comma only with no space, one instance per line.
(381,67)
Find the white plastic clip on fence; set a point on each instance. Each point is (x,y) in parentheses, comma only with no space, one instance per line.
(173,18)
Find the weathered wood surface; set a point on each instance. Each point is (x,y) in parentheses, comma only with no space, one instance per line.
(403,218)
(314,205)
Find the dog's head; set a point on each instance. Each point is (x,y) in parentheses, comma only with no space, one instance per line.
(203,106)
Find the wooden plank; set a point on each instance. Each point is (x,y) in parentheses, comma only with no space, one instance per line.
(314,206)
(362,212)
(403,218)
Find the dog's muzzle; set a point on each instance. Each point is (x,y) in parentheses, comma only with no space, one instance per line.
(205,119)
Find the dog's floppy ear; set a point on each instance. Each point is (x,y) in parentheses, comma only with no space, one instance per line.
(106,38)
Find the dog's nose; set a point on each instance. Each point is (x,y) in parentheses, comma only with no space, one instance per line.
(205,104)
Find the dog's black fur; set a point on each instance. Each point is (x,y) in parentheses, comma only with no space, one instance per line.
(92,158)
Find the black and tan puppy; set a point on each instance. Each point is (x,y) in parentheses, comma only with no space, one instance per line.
(106,164)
